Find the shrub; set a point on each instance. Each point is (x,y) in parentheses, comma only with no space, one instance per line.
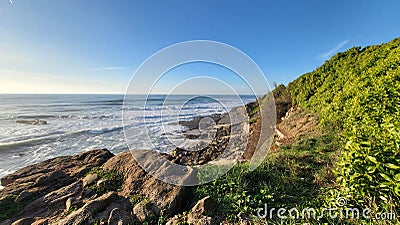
(357,93)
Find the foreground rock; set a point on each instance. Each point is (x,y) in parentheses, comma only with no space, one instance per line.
(160,197)
(41,190)
(92,187)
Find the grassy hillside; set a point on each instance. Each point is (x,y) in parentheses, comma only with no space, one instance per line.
(357,94)
(341,139)
(295,173)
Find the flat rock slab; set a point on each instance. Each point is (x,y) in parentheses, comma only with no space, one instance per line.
(60,191)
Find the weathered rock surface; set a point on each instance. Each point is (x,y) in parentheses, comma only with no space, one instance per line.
(72,166)
(200,214)
(41,190)
(203,155)
(226,141)
(201,211)
(61,191)
(164,198)
(91,211)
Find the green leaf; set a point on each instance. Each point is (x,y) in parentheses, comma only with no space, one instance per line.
(383,198)
(371,169)
(384,184)
(392,166)
(386,177)
(397,190)
(365,144)
(372,159)
(397,177)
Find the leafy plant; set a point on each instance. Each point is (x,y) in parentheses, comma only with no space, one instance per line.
(357,93)
(113,178)
(287,178)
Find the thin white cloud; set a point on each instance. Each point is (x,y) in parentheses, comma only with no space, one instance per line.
(12,81)
(107,68)
(335,49)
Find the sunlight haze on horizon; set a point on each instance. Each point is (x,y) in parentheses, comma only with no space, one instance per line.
(95,46)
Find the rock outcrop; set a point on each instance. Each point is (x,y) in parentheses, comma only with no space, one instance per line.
(92,187)
(163,197)
(98,187)
(32,122)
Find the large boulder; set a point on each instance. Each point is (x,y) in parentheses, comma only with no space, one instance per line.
(201,211)
(164,198)
(91,187)
(73,166)
(41,190)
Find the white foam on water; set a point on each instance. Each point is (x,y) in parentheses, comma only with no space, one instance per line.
(77,123)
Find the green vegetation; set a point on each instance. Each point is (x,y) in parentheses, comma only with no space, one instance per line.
(135,199)
(9,206)
(291,176)
(73,208)
(252,111)
(357,93)
(112,180)
(356,97)
(283,100)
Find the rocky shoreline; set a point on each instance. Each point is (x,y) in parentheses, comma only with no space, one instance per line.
(82,189)
(87,188)
(98,187)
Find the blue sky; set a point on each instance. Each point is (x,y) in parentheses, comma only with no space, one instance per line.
(94,46)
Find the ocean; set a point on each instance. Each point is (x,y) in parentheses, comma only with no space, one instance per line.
(34,128)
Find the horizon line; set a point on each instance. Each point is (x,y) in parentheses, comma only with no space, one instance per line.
(120,94)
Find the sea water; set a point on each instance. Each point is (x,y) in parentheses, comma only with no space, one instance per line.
(78,123)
